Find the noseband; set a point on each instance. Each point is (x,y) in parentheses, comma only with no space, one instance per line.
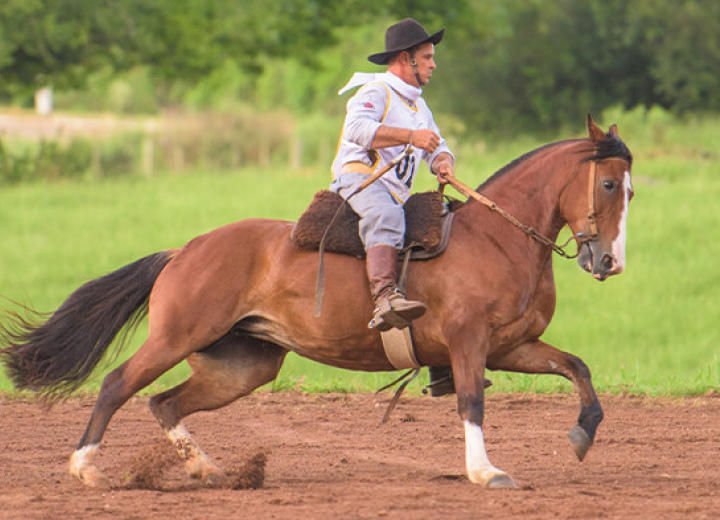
(580,238)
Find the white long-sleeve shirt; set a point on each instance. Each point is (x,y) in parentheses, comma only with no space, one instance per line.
(386,100)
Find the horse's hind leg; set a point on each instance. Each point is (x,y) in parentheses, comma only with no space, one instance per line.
(230,368)
(537,357)
(152,360)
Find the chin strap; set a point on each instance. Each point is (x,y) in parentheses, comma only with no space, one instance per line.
(414,68)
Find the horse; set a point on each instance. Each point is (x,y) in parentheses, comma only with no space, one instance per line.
(233,302)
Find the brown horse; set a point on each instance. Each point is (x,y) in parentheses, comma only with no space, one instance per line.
(235,301)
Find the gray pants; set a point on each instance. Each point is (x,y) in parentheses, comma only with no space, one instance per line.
(382,218)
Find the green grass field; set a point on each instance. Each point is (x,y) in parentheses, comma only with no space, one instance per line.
(652,330)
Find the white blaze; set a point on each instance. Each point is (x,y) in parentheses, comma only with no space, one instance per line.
(618,245)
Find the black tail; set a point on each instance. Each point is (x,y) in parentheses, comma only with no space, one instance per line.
(55,357)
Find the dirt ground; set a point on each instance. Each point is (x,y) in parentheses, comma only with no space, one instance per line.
(328,456)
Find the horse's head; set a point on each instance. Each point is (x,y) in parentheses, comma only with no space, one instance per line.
(598,200)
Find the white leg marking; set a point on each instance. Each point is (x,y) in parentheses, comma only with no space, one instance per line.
(181,439)
(83,458)
(618,245)
(197,464)
(83,468)
(479,469)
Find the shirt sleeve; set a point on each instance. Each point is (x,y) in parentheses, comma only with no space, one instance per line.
(365,112)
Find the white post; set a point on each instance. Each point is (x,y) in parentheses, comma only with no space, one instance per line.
(44,101)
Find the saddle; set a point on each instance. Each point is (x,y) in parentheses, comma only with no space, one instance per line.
(427,225)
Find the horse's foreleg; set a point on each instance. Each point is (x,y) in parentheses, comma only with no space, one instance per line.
(230,368)
(469,374)
(118,386)
(537,357)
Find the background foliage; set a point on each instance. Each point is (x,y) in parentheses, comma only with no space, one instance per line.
(516,65)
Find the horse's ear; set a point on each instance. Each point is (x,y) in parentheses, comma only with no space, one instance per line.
(594,131)
(613,131)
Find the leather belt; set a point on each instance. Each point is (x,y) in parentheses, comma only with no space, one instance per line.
(357,167)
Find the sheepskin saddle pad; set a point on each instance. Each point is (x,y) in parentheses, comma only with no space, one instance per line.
(427,225)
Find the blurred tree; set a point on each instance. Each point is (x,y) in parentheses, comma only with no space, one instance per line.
(682,42)
(538,65)
(52,42)
(533,65)
(60,42)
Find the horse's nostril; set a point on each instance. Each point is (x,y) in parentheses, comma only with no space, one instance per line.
(608,261)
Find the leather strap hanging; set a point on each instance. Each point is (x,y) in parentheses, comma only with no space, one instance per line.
(320,286)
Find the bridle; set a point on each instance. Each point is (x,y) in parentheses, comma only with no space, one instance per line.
(592,216)
(580,238)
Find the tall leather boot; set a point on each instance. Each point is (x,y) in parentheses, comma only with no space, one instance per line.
(392,310)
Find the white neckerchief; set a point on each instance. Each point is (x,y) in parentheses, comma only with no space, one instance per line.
(362,78)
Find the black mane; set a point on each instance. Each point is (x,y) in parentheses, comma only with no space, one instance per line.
(613,146)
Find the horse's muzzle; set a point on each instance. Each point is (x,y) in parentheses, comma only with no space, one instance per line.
(601,264)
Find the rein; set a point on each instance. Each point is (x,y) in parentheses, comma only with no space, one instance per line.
(580,238)
(532,233)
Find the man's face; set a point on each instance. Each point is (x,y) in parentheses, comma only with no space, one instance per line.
(424,58)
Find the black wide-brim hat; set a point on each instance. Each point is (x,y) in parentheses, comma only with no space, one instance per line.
(402,36)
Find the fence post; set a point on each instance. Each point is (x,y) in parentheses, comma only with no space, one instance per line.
(296,152)
(147,151)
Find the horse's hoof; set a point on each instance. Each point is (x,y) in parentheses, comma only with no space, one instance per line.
(492,478)
(580,441)
(502,481)
(201,467)
(215,480)
(81,467)
(94,478)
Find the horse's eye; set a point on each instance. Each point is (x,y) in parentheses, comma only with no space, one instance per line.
(609,185)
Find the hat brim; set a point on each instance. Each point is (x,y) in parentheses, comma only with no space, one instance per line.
(382,58)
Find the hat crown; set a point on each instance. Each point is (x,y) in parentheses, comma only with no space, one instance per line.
(404,34)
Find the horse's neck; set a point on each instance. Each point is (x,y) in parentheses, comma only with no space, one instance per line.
(531,192)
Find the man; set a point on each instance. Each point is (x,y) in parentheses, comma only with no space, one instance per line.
(383,117)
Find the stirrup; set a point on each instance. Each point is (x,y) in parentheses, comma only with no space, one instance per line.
(446,386)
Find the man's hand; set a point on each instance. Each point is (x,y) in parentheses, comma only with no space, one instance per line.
(442,166)
(425,139)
